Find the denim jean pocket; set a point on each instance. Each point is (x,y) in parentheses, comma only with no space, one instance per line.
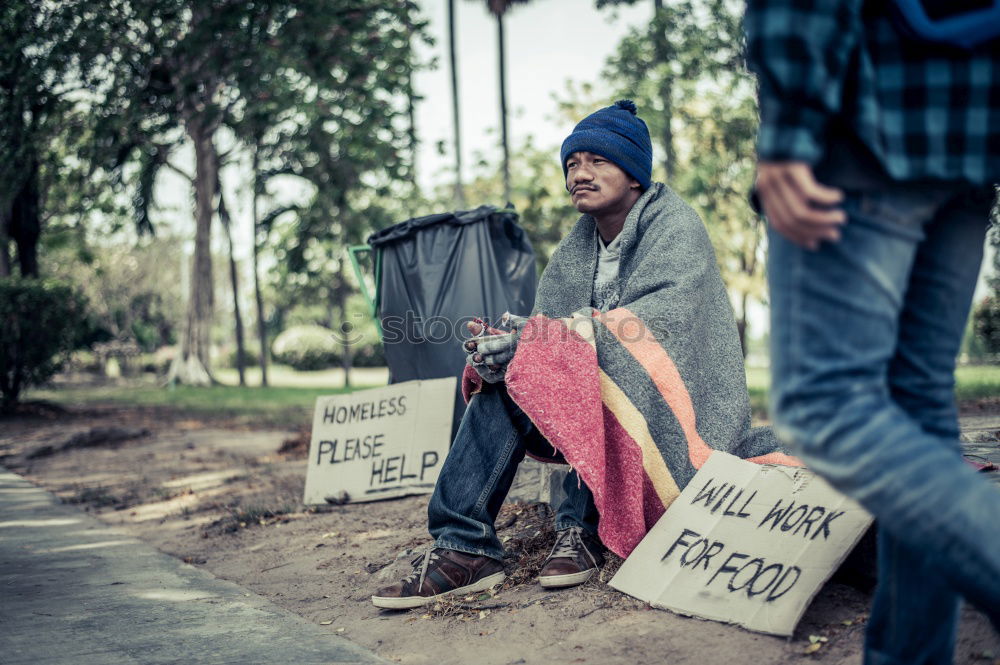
(903,211)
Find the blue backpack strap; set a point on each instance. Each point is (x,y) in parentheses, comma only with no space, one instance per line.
(962,28)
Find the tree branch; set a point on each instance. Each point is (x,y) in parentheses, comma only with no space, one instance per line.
(179,171)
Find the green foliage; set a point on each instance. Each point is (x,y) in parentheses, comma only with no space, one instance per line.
(368,355)
(986,323)
(538,193)
(985,319)
(306,348)
(686,74)
(49,54)
(250,358)
(134,291)
(280,406)
(40,323)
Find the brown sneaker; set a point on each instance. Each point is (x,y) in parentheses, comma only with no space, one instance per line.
(439,572)
(573,560)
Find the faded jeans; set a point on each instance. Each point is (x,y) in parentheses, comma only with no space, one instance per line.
(477,474)
(864,336)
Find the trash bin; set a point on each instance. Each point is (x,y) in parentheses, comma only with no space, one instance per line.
(434,274)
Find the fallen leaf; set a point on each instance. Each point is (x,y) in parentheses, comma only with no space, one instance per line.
(813,648)
(847,622)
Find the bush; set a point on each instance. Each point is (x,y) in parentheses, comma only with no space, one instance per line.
(40,323)
(986,322)
(250,358)
(369,355)
(306,348)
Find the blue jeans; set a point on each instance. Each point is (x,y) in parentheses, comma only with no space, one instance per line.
(477,474)
(864,336)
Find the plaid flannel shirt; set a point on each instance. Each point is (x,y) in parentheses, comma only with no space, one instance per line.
(924,111)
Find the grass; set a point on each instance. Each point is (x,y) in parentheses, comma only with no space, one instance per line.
(294,393)
(972,382)
(977,382)
(758,381)
(290,395)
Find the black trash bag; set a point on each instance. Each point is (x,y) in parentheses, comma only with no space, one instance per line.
(441,271)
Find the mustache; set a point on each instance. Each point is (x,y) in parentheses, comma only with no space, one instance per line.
(586,186)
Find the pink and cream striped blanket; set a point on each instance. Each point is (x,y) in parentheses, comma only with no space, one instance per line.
(634,453)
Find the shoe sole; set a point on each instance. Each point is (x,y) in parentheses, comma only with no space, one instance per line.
(570,579)
(417,601)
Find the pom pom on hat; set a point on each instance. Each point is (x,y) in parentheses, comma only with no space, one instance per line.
(616,133)
(628,105)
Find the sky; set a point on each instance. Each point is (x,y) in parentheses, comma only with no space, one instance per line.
(547,42)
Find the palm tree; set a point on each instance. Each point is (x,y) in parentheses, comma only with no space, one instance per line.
(456,121)
(498,8)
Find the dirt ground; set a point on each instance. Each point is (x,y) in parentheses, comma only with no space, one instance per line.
(222,497)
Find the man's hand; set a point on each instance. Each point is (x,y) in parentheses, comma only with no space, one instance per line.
(489,354)
(797,206)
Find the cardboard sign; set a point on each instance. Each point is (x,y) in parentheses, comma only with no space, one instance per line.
(746,544)
(380,443)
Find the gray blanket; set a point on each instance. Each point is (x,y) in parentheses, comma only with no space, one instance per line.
(669,281)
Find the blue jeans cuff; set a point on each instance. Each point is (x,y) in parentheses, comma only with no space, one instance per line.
(447,545)
(563,524)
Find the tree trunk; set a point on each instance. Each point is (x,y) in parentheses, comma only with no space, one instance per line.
(669,157)
(192,364)
(261,324)
(25,225)
(662,51)
(411,130)
(503,110)
(5,266)
(741,323)
(456,119)
(346,356)
(234,280)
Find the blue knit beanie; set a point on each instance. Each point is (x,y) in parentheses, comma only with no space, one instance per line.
(618,134)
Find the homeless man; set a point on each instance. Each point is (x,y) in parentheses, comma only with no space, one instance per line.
(630,371)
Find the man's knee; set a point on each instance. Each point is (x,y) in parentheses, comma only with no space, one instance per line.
(798,418)
(931,404)
(818,423)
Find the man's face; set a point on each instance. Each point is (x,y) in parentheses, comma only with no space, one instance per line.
(597,184)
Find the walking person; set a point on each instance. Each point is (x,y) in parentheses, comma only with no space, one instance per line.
(878,153)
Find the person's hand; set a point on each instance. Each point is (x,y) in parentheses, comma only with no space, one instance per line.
(490,350)
(797,206)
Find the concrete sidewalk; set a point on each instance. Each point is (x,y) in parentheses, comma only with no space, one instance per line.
(74,590)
